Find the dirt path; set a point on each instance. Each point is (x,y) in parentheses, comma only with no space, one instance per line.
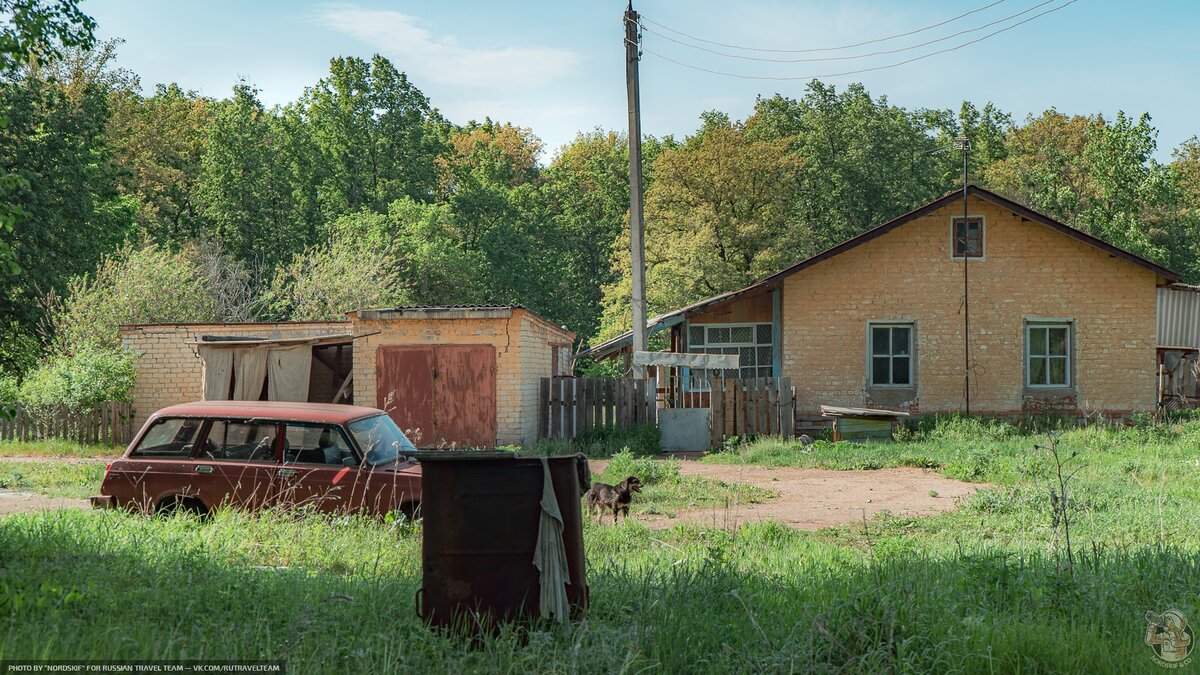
(25,502)
(810,499)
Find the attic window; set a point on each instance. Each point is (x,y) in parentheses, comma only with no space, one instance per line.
(967,236)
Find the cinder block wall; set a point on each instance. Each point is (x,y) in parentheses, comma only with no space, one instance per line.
(522,340)
(170,371)
(1029,271)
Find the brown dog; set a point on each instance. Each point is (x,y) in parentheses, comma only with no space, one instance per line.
(615,497)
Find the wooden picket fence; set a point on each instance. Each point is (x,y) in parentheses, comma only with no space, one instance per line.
(758,406)
(568,406)
(110,423)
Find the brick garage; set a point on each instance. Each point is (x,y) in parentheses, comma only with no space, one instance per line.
(515,346)
(1060,321)
(526,348)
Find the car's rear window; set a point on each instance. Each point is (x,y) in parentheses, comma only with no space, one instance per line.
(240,441)
(171,437)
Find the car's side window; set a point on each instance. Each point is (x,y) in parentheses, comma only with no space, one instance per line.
(237,441)
(316,444)
(169,438)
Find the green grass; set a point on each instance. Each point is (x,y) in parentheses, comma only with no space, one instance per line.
(984,588)
(667,493)
(336,595)
(53,479)
(1138,486)
(58,448)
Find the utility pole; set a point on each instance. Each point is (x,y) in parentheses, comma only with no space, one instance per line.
(964,144)
(637,242)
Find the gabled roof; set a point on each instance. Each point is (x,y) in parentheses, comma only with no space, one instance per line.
(669,319)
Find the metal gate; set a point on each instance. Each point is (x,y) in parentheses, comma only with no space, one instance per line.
(441,395)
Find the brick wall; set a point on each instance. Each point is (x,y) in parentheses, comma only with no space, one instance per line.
(1029,271)
(522,341)
(170,371)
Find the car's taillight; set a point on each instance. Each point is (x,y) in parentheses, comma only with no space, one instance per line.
(106,468)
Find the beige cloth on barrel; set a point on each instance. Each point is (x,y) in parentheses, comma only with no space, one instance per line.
(550,554)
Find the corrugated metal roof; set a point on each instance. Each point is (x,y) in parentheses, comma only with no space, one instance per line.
(1178,315)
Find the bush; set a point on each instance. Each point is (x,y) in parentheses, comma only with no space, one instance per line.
(650,471)
(958,428)
(8,388)
(326,281)
(147,284)
(82,380)
(644,439)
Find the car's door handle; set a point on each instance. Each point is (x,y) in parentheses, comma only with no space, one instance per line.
(204,469)
(287,472)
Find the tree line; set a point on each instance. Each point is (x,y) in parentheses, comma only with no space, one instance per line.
(120,205)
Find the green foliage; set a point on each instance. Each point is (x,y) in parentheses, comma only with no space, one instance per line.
(718,218)
(8,388)
(144,284)
(242,185)
(374,134)
(54,145)
(79,381)
(648,469)
(864,161)
(325,282)
(159,143)
(41,30)
(642,440)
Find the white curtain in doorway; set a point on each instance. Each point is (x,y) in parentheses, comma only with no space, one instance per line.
(250,369)
(288,370)
(218,369)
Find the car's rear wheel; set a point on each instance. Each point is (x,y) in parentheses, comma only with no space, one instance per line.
(186,505)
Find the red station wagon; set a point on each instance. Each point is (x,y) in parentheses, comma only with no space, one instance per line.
(257,454)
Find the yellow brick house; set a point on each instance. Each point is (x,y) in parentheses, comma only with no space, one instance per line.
(1059,321)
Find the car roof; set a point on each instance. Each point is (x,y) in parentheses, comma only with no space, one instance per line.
(333,413)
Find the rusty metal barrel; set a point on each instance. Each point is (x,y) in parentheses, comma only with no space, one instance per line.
(481,513)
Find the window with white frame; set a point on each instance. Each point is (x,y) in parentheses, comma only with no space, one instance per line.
(1048,354)
(751,342)
(891,354)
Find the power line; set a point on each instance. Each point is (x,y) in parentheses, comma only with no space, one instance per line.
(860,70)
(824,49)
(853,56)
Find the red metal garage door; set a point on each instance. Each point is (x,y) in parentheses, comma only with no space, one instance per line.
(446,394)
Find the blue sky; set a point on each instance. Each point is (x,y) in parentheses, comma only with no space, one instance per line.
(557,67)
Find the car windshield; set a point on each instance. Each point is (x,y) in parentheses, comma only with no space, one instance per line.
(380,439)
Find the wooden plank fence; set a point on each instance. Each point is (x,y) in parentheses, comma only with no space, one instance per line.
(759,406)
(110,423)
(568,406)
